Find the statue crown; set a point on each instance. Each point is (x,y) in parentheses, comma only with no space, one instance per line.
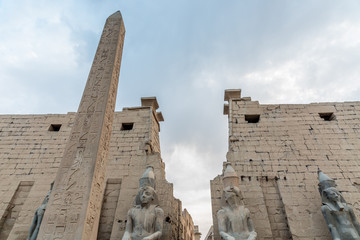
(325,181)
(148,178)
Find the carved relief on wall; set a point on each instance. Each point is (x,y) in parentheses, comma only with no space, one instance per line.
(76,203)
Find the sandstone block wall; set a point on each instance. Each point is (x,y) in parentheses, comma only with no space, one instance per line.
(210,234)
(188,228)
(277,158)
(31,149)
(29,152)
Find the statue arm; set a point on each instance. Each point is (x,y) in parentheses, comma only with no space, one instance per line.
(33,226)
(354,220)
(250,223)
(330,222)
(221,217)
(159,213)
(129,226)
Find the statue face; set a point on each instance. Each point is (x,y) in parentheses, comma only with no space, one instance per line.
(232,193)
(147,195)
(229,194)
(333,194)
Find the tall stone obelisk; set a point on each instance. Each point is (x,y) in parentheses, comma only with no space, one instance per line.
(73,210)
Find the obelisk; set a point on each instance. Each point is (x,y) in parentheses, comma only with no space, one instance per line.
(73,210)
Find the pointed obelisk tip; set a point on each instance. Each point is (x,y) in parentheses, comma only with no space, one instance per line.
(116,14)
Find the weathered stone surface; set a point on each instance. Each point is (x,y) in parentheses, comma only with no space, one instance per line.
(188,230)
(32,154)
(277,160)
(74,207)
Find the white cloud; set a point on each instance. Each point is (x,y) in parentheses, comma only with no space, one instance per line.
(319,68)
(37,57)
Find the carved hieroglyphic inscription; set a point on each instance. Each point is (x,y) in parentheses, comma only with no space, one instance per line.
(74,207)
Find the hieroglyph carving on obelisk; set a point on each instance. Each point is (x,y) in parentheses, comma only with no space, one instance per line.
(74,207)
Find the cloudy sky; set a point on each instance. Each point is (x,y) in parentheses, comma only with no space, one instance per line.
(185,53)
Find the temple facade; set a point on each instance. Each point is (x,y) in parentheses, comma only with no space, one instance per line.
(31,149)
(86,168)
(276,151)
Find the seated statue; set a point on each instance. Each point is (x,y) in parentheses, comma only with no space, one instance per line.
(38,216)
(234,220)
(338,215)
(145,219)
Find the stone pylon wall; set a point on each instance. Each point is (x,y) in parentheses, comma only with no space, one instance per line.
(30,155)
(277,159)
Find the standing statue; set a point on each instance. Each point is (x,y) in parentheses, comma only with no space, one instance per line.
(145,220)
(339,216)
(38,216)
(234,220)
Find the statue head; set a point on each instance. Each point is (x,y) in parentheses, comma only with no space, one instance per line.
(327,189)
(230,177)
(332,194)
(46,199)
(232,195)
(148,178)
(325,181)
(147,193)
(231,192)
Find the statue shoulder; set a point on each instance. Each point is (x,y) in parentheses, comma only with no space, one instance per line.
(221,212)
(40,211)
(134,209)
(158,210)
(325,208)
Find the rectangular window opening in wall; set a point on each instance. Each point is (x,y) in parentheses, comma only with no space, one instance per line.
(327,116)
(127,126)
(54,127)
(252,118)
